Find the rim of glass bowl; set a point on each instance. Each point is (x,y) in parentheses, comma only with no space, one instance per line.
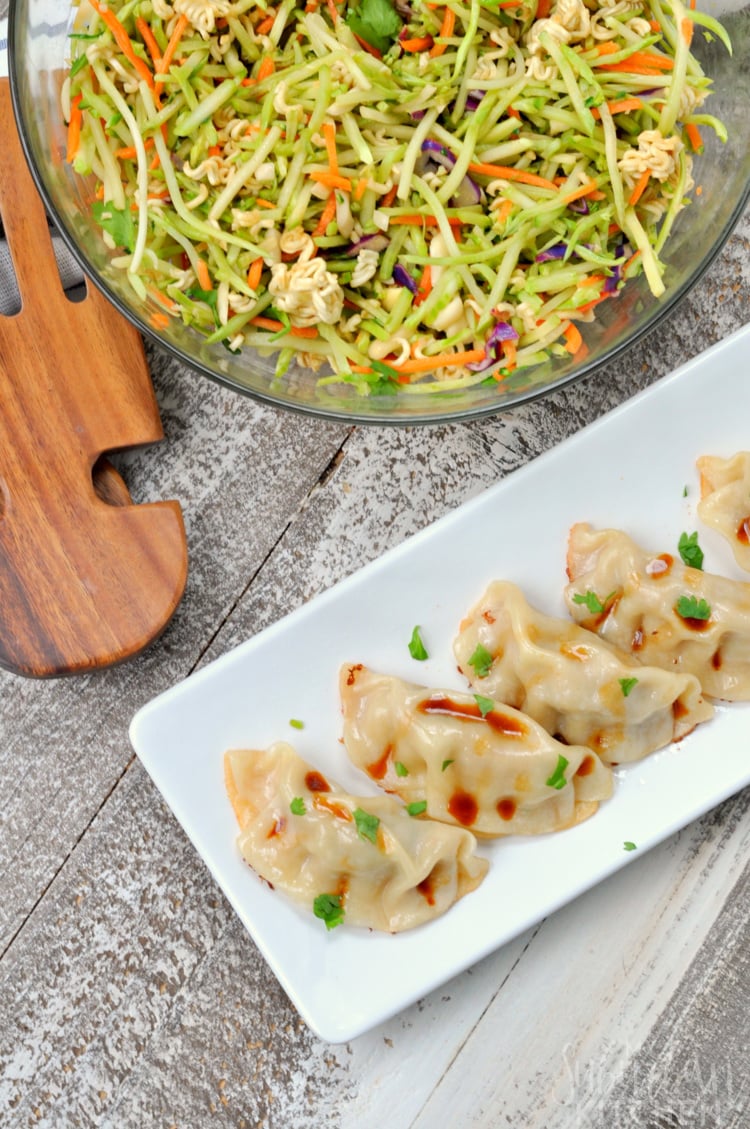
(370,413)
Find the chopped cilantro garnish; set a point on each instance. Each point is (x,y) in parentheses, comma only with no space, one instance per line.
(417,648)
(690,607)
(626,685)
(296,723)
(481,660)
(690,550)
(557,779)
(297,806)
(401,769)
(417,808)
(375,21)
(328,908)
(684,491)
(628,846)
(117,222)
(446,764)
(367,825)
(592,601)
(485,704)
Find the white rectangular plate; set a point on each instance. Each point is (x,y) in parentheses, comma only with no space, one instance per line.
(628,470)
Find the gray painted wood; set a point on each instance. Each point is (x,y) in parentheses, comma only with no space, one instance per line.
(129,993)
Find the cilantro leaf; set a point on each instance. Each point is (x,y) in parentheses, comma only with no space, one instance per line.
(297,806)
(328,908)
(401,769)
(481,660)
(417,648)
(690,550)
(626,685)
(628,846)
(417,808)
(367,825)
(485,704)
(117,222)
(557,779)
(690,607)
(375,21)
(592,601)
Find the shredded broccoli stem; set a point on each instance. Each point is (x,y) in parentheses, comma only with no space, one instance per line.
(313,189)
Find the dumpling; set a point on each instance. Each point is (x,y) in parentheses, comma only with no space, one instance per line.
(578,686)
(661,611)
(725,501)
(466,760)
(361,860)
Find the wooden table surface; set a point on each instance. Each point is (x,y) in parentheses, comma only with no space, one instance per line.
(130,995)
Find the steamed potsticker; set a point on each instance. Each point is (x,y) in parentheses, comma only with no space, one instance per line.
(465,759)
(662,612)
(359,860)
(579,687)
(725,501)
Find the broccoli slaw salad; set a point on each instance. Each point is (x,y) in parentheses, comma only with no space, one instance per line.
(395,194)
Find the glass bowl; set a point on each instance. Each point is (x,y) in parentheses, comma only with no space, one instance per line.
(38,47)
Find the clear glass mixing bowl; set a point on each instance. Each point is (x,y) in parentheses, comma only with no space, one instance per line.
(38,47)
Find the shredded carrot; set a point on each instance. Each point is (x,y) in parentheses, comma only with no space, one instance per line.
(123,41)
(214,150)
(389,197)
(446,31)
(266,323)
(573,339)
(642,62)
(74,128)
(503,172)
(162,299)
(129,152)
(504,211)
(420,43)
(368,47)
(167,57)
(147,36)
(329,133)
(265,25)
(633,258)
(589,280)
(509,352)
(654,25)
(204,278)
(542,9)
(594,302)
(424,287)
(623,106)
(426,221)
(686,30)
(333,11)
(639,188)
(155,162)
(327,215)
(441,360)
(254,273)
(264,203)
(266,68)
(304,331)
(331,180)
(362,186)
(513,113)
(694,137)
(607,48)
(589,189)
(159,320)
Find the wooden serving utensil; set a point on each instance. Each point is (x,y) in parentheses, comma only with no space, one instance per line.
(87,579)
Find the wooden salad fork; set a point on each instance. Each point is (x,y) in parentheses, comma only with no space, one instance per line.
(87,579)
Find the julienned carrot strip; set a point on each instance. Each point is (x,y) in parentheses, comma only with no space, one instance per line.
(573,339)
(333,11)
(329,133)
(129,152)
(303,331)
(504,211)
(654,25)
(123,41)
(694,137)
(607,48)
(162,299)
(586,190)
(503,172)
(362,186)
(274,325)
(389,197)
(589,280)
(637,60)
(327,215)
(159,320)
(623,106)
(74,128)
(331,180)
(446,31)
(266,68)
(424,287)
(265,25)
(639,188)
(174,39)
(427,221)
(441,360)
(147,36)
(419,43)
(254,273)
(542,9)
(509,353)
(594,302)
(368,47)
(204,278)
(686,30)
(513,113)
(264,203)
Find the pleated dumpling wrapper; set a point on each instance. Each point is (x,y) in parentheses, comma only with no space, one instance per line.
(465,759)
(725,501)
(579,687)
(361,860)
(660,610)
